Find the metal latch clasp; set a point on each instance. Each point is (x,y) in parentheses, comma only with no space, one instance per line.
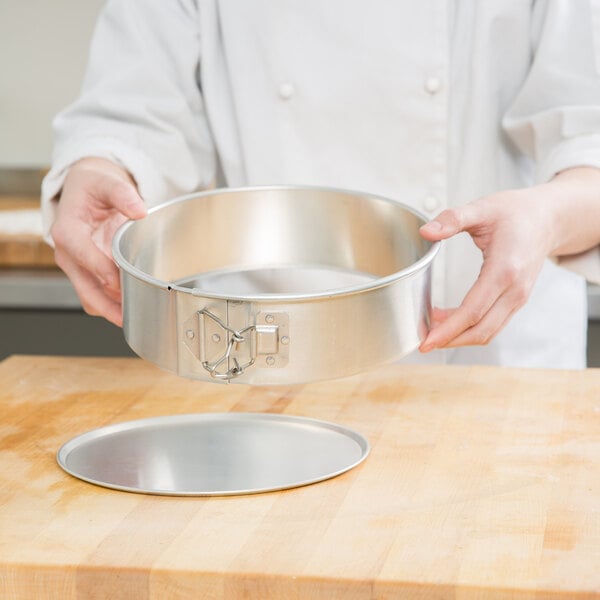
(226,352)
(235,338)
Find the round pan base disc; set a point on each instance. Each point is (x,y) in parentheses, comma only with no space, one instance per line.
(213,454)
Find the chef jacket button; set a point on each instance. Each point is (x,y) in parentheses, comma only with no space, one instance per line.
(286,91)
(431,203)
(433,85)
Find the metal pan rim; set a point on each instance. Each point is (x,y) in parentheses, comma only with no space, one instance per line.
(376,283)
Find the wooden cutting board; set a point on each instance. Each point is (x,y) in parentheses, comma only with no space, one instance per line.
(23,250)
(482,483)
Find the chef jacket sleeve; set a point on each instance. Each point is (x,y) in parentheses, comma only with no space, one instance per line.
(140,104)
(555,118)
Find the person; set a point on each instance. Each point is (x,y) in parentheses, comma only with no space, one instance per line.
(485,116)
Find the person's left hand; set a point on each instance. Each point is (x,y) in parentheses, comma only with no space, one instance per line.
(513,230)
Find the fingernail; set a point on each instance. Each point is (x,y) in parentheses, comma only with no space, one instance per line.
(136,208)
(136,204)
(432,226)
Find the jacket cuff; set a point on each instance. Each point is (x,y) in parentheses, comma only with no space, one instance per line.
(580,151)
(586,264)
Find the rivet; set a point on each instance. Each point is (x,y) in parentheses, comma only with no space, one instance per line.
(270,360)
(285,340)
(216,338)
(191,335)
(269,318)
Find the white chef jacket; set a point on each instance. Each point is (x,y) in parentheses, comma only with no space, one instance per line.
(431,103)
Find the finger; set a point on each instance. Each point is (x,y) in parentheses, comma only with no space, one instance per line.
(439,315)
(113,294)
(74,244)
(489,326)
(486,327)
(91,294)
(106,183)
(122,196)
(479,300)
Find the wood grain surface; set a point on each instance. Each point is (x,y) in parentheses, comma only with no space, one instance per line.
(482,483)
(23,250)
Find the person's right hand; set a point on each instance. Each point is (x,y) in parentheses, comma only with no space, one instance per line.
(97,197)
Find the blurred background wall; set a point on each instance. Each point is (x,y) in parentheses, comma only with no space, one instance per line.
(43,55)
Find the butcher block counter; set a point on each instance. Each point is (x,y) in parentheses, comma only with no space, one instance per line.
(21,242)
(481,483)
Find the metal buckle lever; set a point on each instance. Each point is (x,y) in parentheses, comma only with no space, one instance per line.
(236,337)
(226,352)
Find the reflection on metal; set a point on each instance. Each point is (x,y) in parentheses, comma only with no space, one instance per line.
(213,454)
(292,284)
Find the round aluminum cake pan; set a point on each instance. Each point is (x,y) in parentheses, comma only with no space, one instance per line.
(275,285)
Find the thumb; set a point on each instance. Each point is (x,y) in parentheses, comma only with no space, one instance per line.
(107,183)
(445,225)
(122,195)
